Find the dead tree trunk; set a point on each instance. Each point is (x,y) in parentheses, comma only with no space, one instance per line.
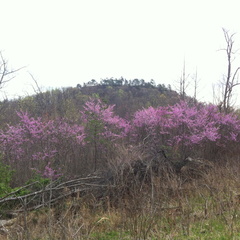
(231,79)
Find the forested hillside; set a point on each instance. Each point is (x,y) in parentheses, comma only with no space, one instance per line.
(63,108)
(76,131)
(116,147)
(67,102)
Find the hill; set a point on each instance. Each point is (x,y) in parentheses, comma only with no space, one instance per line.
(67,102)
(118,160)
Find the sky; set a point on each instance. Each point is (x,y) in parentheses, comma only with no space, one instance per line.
(62,43)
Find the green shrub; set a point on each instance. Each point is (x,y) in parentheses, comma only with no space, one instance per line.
(38,182)
(5,179)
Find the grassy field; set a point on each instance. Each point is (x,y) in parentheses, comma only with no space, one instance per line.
(173,208)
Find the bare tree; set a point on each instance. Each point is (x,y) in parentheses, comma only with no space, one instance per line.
(196,81)
(183,82)
(5,74)
(230,80)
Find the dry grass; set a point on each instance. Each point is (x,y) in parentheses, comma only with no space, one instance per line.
(168,207)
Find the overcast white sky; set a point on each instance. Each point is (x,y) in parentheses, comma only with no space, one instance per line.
(66,42)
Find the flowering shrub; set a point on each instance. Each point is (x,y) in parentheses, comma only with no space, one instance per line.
(100,117)
(103,128)
(183,128)
(50,173)
(36,142)
(54,146)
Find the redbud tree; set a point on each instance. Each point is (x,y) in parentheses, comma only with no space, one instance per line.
(37,144)
(185,130)
(60,147)
(103,129)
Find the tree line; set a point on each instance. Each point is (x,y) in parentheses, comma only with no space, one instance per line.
(124,82)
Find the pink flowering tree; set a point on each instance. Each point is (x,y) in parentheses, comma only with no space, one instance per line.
(40,145)
(150,127)
(60,147)
(185,129)
(102,127)
(204,127)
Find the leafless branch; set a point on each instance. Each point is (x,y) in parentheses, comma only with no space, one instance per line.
(231,79)
(6,75)
(54,192)
(38,90)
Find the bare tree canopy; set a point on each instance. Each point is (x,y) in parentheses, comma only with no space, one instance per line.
(231,79)
(5,73)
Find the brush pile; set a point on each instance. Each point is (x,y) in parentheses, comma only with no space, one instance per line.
(102,184)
